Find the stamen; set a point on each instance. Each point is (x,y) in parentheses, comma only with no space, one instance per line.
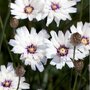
(85,40)
(28,9)
(62,50)
(6,83)
(31,49)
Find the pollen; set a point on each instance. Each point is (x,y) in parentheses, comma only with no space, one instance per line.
(31,49)
(6,83)
(29,9)
(62,51)
(85,41)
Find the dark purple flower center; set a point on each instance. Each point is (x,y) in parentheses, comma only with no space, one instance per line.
(55,6)
(28,9)
(85,40)
(6,83)
(62,50)
(31,49)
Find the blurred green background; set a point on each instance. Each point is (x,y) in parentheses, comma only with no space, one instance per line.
(50,78)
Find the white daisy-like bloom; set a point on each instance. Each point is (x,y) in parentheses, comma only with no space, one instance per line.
(31,46)
(9,80)
(61,50)
(58,10)
(84,31)
(30,9)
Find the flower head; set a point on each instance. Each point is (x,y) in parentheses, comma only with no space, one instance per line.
(84,31)
(61,50)
(58,10)
(30,46)
(11,82)
(75,39)
(30,9)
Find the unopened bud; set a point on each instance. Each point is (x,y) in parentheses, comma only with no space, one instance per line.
(14,23)
(79,65)
(20,71)
(75,39)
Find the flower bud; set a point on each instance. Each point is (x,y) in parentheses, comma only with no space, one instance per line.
(75,39)
(14,23)
(20,71)
(79,65)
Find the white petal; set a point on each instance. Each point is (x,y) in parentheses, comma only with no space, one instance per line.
(3,68)
(79,27)
(12,42)
(33,66)
(18,49)
(33,31)
(54,39)
(61,37)
(70,64)
(51,52)
(73,29)
(43,33)
(49,18)
(40,66)
(23,31)
(56,60)
(60,65)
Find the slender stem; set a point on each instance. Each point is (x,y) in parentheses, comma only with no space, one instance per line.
(75,83)
(81,10)
(89,56)
(73,59)
(3,29)
(4,37)
(18,83)
(74,53)
(1,23)
(8,48)
(45,80)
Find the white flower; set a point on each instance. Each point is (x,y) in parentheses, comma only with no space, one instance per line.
(30,9)
(31,46)
(61,50)
(58,10)
(9,80)
(84,31)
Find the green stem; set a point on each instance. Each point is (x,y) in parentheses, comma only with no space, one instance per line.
(73,59)
(45,80)
(3,28)
(9,51)
(75,83)
(18,83)
(4,37)
(89,56)
(1,23)
(81,10)
(74,53)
